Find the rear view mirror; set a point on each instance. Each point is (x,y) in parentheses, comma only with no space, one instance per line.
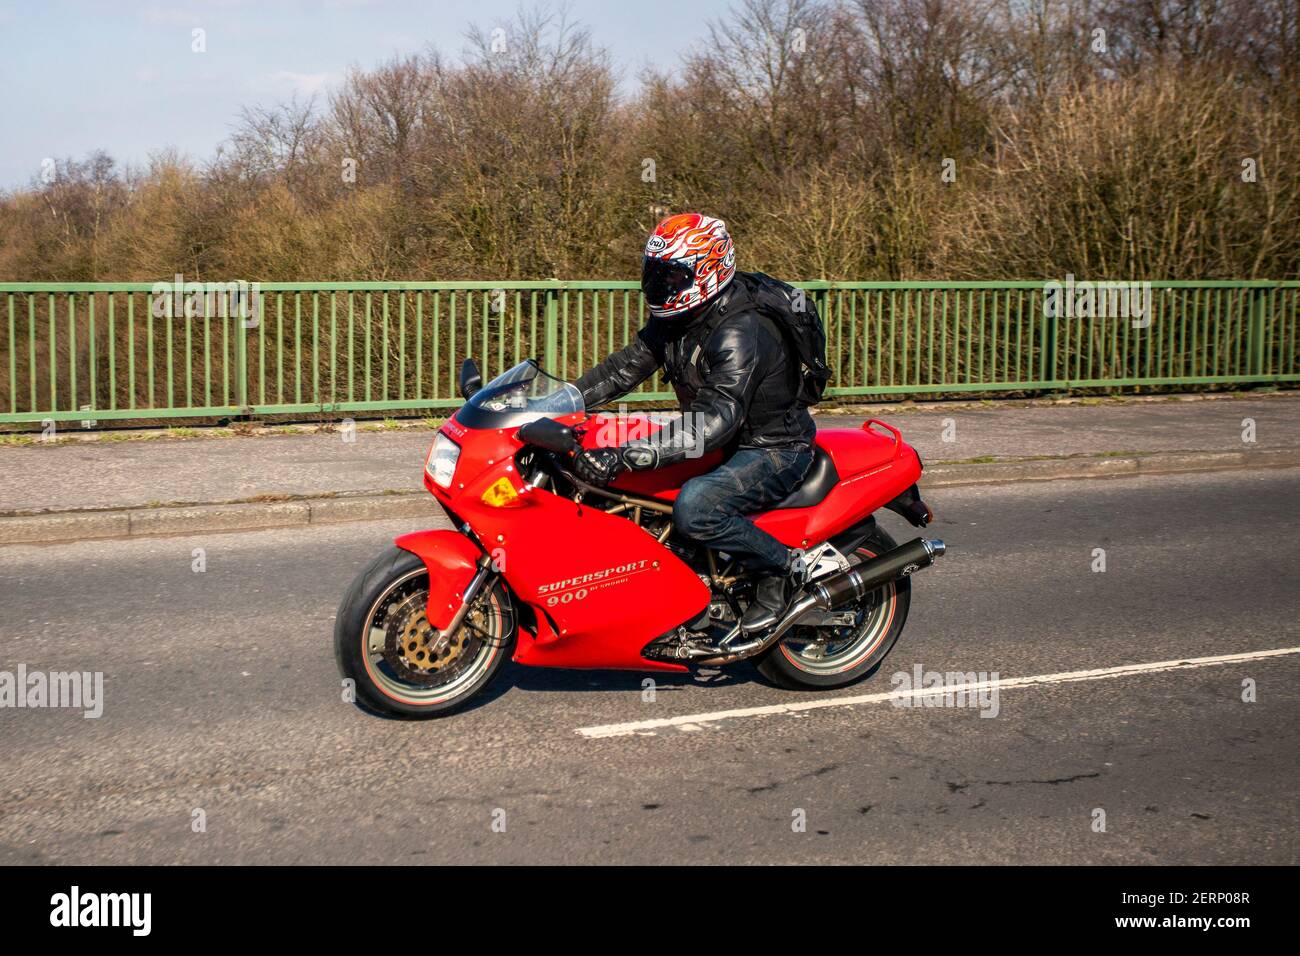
(471,379)
(549,434)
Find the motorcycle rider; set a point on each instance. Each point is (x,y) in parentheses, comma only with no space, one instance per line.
(737,382)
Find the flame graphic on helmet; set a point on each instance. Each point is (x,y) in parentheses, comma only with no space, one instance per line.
(702,241)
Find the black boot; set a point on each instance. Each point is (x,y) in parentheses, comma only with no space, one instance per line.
(772,594)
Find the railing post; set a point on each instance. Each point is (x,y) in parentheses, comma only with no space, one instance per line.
(1255,334)
(241,355)
(551,358)
(1047,353)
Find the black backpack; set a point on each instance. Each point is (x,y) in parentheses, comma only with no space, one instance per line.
(802,328)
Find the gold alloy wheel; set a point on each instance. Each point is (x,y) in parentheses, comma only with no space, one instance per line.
(409,658)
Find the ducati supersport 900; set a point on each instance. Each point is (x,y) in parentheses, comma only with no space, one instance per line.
(548,570)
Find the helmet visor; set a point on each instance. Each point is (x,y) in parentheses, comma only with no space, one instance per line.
(661,279)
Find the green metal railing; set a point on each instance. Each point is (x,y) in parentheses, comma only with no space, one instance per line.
(108,351)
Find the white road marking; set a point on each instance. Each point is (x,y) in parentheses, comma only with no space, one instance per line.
(692,721)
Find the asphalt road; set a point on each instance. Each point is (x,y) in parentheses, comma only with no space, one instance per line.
(221,696)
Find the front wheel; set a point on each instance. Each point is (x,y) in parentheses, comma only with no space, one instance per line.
(398,662)
(820,658)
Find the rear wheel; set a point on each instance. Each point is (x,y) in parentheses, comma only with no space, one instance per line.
(830,656)
(400,664)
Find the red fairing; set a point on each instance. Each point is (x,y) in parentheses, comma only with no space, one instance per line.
(600,587)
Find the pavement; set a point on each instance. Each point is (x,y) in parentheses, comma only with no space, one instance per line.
(79,489)
(225,738)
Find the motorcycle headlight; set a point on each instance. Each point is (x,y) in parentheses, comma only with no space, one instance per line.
(442,460)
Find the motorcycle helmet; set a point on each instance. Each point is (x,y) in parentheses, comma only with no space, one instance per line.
(689,259)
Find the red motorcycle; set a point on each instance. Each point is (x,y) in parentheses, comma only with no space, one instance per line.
(548,570)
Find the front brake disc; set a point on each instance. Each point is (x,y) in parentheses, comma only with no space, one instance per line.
(417,650)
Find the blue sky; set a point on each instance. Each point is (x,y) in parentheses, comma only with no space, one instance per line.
(78,76)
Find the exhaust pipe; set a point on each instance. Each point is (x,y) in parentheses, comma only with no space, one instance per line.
(838,590)
(848,586)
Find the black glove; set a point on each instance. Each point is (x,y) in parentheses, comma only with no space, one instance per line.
(599,466)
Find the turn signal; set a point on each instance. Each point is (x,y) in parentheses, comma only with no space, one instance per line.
(501,494)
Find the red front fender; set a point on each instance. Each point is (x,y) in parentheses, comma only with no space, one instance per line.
(451,559)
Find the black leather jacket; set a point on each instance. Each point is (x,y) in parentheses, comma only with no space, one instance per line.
(733,374)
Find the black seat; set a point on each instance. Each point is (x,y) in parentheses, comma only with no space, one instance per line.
(816,485)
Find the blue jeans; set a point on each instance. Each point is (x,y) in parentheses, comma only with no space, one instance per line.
(711,508)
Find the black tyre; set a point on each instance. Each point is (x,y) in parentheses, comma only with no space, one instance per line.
(820,658)
(398,662)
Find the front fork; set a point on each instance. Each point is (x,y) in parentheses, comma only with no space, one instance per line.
(484,577)
(454,562)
